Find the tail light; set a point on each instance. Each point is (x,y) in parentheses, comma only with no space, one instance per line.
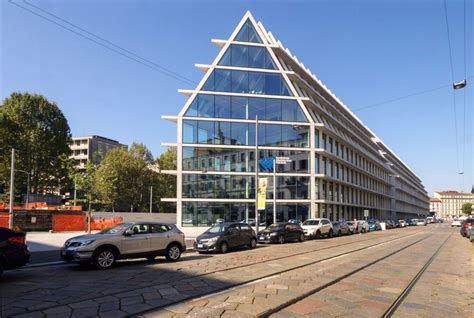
(467,224)
(17,240)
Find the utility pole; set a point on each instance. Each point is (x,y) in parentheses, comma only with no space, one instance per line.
(151,198)
(274,191)
(12,187)
(256,175)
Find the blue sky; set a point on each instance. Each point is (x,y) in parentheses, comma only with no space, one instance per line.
(366,52)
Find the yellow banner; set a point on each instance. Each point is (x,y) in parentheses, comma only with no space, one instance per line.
(262,193)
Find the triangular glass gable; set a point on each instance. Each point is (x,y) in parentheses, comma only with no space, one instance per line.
(248,33)
(248,56)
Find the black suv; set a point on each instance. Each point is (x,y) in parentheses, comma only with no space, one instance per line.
(281,233)
(224,236)
(13,250)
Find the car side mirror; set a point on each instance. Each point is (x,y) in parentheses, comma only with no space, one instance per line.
(128,232)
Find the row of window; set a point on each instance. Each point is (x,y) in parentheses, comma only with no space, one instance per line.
(242,187)
(208,213)
(246,82)
(238,107)
(226,133)
(247,56)
(341,172)
(240,160)
(326,190)
(339,150)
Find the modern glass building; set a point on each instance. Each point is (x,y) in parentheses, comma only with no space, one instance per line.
(338,167)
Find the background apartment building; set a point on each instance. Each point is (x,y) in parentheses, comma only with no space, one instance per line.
(91,148)
(338,168)
(449,203)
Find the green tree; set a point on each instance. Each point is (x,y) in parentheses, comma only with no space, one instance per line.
(165,184)
(123,178)
(467,208)
(40,133)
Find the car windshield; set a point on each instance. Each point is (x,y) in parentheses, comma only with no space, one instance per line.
(350,223)
(311,222)
(218,228)
(115,229)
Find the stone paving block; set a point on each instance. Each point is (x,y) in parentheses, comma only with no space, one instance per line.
(42,305)
(136,308)
(84,312)
(84,304)
(113,314)
(35,314)
(306,306)
(205,312)
(167,291)
(58,310)
(182,308)
(236,314)
(131,300)
(105,299)
(110,306)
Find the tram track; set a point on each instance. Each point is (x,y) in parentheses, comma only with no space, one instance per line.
(382,241)
(393,307)
(287,270)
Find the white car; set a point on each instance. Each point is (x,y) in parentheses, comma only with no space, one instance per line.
(456,222)
(317,228)
(420,222)
(402,223)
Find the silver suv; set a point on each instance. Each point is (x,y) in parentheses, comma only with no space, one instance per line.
(317,228)
(126,240)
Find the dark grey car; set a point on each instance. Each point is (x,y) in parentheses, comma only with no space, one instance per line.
(340,228)
(126,240)
(224,236)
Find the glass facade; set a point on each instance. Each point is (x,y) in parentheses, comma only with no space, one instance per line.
(240,160)
(247,56)
(207,213)
(233,81)
(231,133)
(238,107)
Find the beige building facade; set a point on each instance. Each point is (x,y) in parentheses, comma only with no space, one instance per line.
(91,149)
(449,204)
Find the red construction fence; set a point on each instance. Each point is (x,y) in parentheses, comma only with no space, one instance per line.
(57,221)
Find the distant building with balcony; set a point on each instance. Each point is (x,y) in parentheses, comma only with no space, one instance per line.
(338,168)
(91,149)
(449,203)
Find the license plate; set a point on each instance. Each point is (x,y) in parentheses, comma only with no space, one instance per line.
(199,245)
(262,237)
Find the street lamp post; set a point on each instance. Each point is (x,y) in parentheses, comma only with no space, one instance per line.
(12,188)
(256,174)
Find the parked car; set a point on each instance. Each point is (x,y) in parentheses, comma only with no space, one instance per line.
(420,222)
(430,219)
(353,228)
(317,228)
(362,226)
(13,250)
(456,222)
(402,223)
(374,225)
(466,227)
(410,222)
(224,236)
(340,228)
(280,233)
(471,235)
(124,241)
(389,224)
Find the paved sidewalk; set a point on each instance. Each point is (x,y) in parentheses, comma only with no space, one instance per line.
(135,286)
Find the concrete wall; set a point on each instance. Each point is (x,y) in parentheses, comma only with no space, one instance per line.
(136,217)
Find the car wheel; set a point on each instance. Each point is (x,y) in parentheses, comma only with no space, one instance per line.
(173,253)
(253,243)
(224,247)
(331,234)
(105,258)
(281,239)
(339,233)
(301,238)
(150,258)
(318,235)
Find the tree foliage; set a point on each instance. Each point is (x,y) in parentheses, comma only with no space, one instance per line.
(166,184)
(40,134)
(467,208)
(123,178)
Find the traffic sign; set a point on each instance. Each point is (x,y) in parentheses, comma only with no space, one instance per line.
(283,160)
